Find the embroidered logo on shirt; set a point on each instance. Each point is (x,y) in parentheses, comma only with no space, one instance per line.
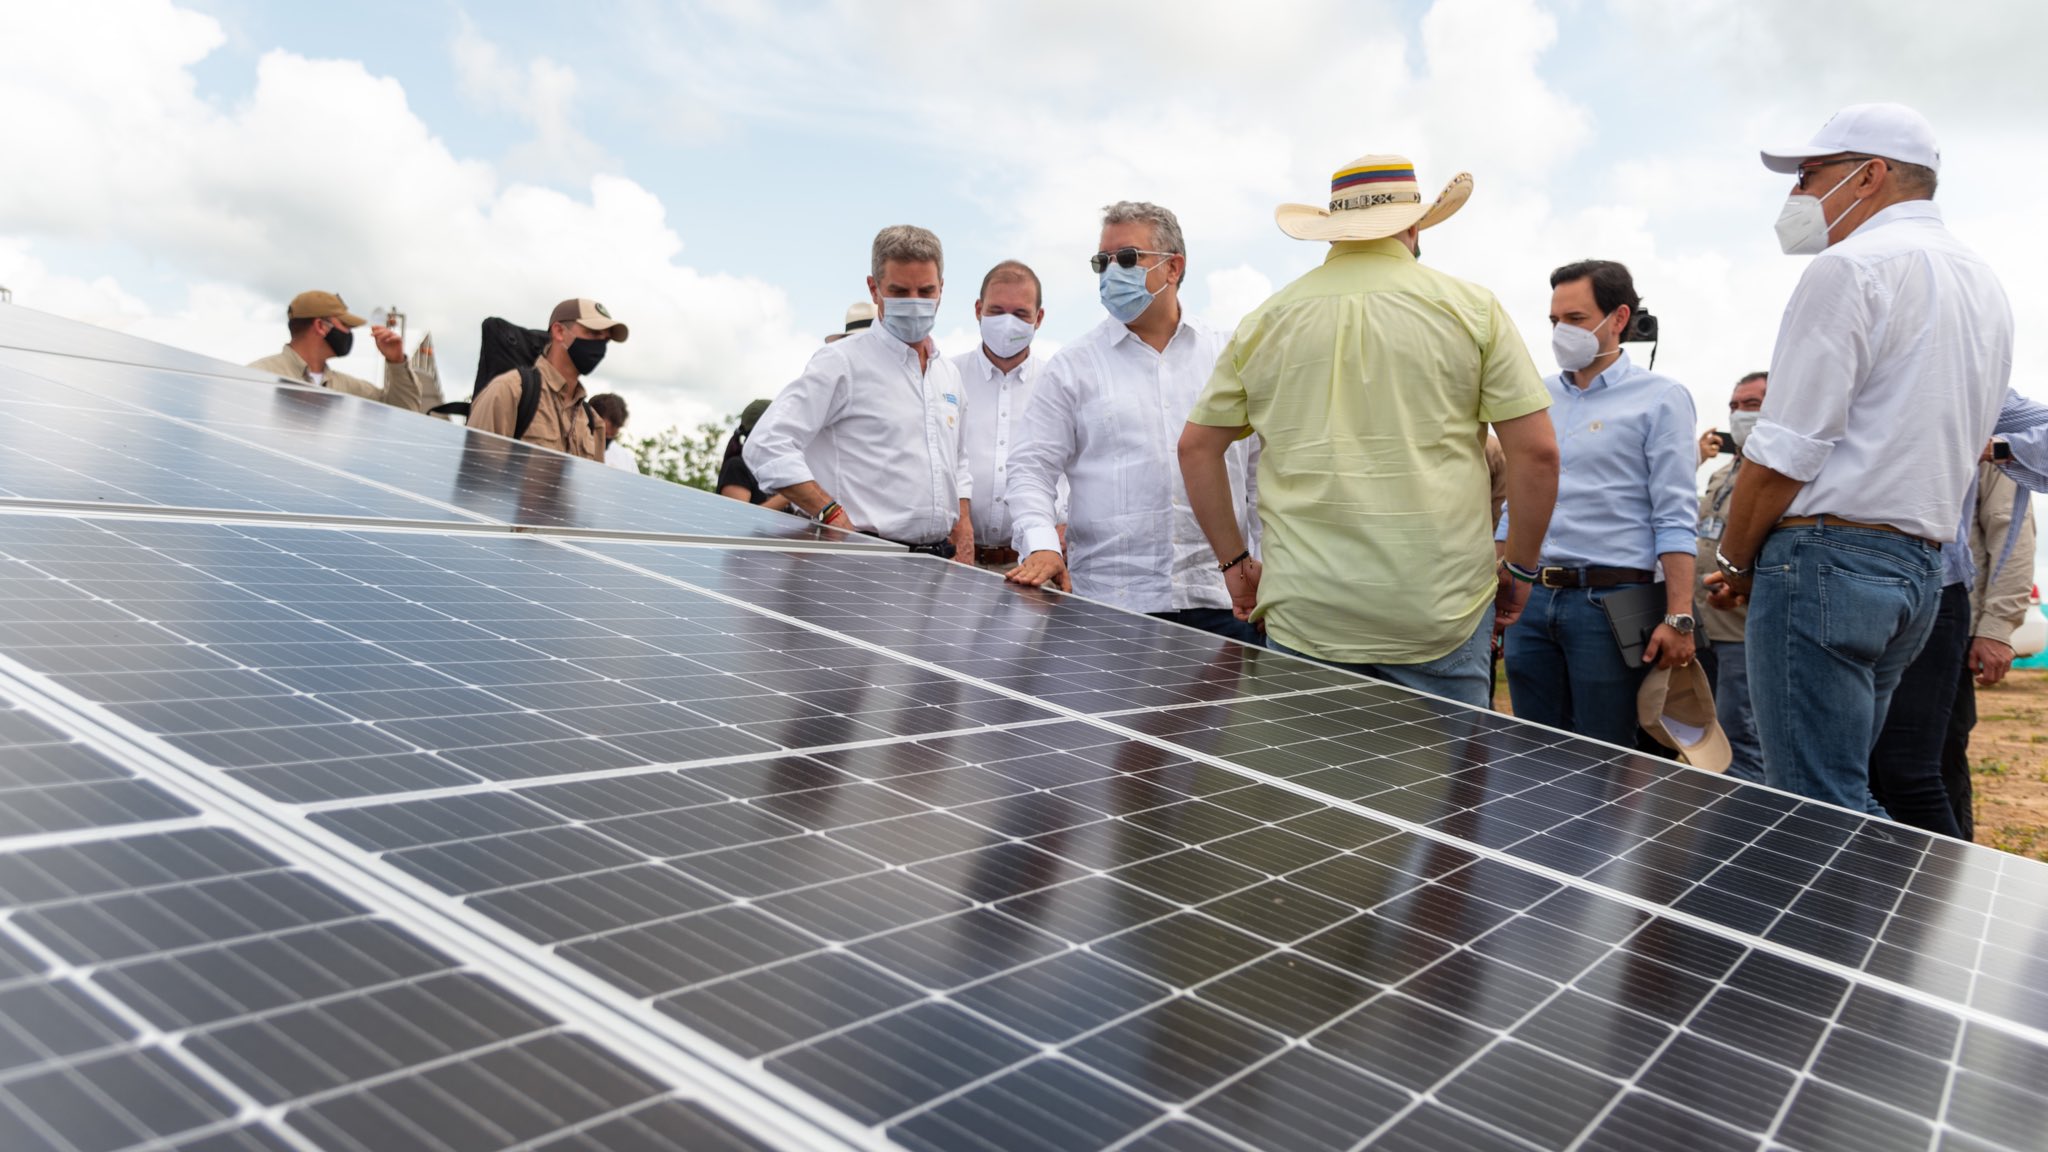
(952,399)
(1596,425)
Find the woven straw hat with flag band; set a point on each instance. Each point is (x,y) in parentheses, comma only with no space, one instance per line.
(1372,197)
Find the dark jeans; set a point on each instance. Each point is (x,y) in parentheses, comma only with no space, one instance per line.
(1835,617)
(1905,766)
(1565,669)
(1955,754)
(1222,621)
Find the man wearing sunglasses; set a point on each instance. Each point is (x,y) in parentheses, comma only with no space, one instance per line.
(1891,363)
(1107,413)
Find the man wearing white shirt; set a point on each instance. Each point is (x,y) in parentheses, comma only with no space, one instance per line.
(1107,413)
(1891,362)
(869,436)
(997,379)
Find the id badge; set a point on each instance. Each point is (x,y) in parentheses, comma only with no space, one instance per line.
(1711,526)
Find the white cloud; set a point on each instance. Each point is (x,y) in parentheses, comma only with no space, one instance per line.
(1233,293)
(541,95)
(254,202)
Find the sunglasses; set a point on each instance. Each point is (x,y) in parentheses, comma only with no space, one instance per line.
(1806,170)
(1124,257)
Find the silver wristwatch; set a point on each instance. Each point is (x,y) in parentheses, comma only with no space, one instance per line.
(1680,622)
(1729,567)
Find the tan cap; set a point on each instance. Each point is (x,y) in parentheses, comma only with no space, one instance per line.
(1676,706)
(591,315)
(322,306)
(860,316)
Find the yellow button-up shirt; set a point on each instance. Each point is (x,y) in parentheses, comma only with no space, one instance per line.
(400,390)
(1369,379)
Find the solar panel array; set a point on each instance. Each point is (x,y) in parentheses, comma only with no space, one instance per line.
(367,783)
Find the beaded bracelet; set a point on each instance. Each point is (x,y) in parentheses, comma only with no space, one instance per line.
(826,513)
(1241,558)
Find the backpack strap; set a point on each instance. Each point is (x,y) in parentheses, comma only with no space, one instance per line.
(529,399)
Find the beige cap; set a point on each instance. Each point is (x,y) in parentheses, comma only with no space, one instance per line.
(860,316)
(322,306)
(591,315)
(1676,706)
(1372,197)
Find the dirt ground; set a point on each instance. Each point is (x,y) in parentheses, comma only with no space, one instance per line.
(2009,762)
(2008,757)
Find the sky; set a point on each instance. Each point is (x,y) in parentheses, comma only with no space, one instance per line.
(714,172)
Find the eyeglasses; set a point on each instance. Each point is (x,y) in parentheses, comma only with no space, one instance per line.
(1124,257)
(1806,170)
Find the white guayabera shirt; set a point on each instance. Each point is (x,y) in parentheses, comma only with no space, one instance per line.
(994,402)
(1108,413)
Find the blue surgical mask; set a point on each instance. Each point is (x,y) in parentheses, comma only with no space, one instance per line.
(909,318)
(1124,292)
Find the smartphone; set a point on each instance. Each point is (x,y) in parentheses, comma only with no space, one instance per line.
(1727,443)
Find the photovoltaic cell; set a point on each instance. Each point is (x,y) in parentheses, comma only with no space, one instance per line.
(188,990)
(52,783)
(831,823)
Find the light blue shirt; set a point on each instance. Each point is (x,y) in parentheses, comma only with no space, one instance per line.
(2023,424)
(1625,480)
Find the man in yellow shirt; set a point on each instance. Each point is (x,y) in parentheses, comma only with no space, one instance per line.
(1371,380)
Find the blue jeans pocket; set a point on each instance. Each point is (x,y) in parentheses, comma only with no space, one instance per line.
(1861,613)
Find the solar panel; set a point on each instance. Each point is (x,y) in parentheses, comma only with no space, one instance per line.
(847,849)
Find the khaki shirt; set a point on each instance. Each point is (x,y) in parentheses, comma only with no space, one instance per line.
(1722,626)
(400,390)
(1999,605)
(561,421)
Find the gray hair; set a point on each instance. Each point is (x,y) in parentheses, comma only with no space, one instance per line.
(907,244)
(1915,179)
(1165,225)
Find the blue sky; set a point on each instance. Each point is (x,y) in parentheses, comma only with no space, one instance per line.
(714,171)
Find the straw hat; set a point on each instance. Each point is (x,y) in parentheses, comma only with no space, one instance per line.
(1371,197)
(1676,706)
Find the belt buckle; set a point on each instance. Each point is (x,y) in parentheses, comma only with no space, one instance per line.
(1544,573)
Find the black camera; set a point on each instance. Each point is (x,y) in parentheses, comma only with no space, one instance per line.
(1642,328)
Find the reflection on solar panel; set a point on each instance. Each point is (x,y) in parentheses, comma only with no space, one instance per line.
(331,828)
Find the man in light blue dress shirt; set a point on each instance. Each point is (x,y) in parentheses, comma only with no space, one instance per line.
(1625,504)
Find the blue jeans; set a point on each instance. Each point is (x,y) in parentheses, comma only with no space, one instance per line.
(1465,674)
(1565,669)
(1221,621)
(1732,709)
(1834,619)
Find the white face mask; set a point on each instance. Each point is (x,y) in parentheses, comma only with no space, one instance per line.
(1803,223)
(909,318)
(1006,335)
(1739,425)
(1575,347)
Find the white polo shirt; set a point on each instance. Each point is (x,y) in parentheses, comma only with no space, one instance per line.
(1891,362)
(880,437)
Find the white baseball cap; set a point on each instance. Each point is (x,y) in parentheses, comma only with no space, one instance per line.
(1889,131)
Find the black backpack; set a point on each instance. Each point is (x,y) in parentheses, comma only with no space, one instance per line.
(506,347)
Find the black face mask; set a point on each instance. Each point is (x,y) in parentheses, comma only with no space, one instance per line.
(586,355)
(340,340)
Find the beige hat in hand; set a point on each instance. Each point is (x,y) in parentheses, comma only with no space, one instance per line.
(1676,706)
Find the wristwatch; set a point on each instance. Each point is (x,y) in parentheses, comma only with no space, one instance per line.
(1729,567)
(1680,623)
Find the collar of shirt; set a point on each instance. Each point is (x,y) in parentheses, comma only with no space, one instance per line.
(1389,247)
(299,366)
(1183,328)
(1903,210)
(552,379)
(987,368)
(1622,369)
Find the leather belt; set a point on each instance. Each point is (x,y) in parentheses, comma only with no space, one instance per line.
(1824,521)
(1002,555)
(943,549)
(1554,576)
